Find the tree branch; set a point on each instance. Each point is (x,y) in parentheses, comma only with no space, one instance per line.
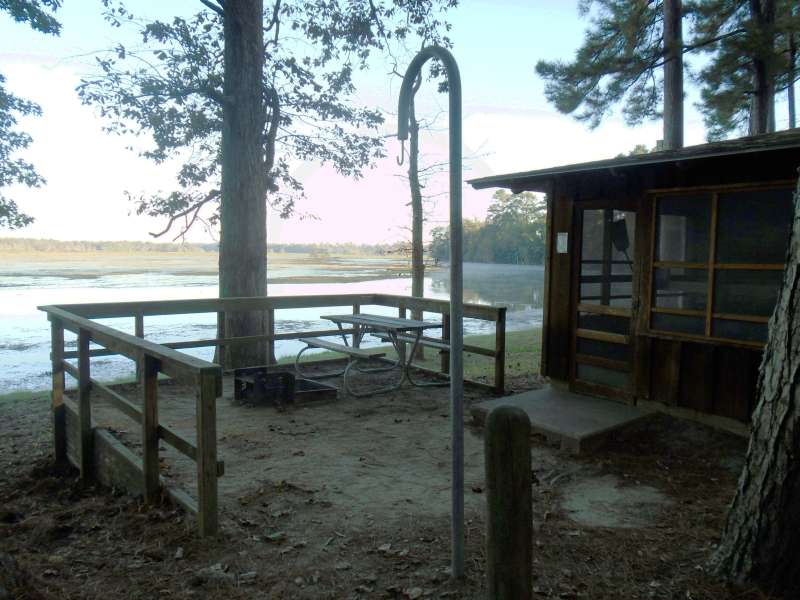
(216,7)
(212,195)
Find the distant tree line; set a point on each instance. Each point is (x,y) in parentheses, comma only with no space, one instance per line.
(513,232)
(44,245)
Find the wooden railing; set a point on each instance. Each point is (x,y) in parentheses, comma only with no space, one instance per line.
(96,452)
(92,445)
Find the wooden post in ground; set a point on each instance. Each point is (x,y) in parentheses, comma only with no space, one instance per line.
(220,354)
(445,356)
(356,337)
(149,385)
(139,332)
(85,450)
(401,313)
(500,352)
(59,417)
(271,332)
(207,454)
(509,519)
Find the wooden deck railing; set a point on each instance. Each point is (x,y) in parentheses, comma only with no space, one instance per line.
(97,453)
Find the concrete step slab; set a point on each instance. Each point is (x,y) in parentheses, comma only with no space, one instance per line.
(579,423)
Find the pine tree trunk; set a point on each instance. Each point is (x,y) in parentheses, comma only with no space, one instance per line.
(762,111)
(243,238)
(417,257)
(673,74)
(761,540)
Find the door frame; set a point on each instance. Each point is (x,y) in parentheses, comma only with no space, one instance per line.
(627,394)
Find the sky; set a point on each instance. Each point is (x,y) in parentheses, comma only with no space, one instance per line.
(507,126)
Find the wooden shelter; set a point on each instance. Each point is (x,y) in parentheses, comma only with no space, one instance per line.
(662,271)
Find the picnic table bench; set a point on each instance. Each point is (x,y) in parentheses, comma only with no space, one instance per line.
(398,331)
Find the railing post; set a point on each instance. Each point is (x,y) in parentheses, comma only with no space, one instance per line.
(59,418)
(500,352)
(445,356)
(356,338)
(509,518)
(271,332)
(207,453)
(401,313)
(221,336)
(139,332)
(84,406)
(149,385)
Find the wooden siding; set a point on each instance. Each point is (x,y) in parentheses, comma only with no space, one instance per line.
(558,315)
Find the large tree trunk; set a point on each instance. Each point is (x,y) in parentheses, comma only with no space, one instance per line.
(762,109)
(792,75)
(417,256)
(673,74)
(761,540)
(243,239)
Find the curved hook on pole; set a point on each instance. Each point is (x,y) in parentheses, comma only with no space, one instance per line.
(401,159)
(456,279)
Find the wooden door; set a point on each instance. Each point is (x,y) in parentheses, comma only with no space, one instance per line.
(604,299)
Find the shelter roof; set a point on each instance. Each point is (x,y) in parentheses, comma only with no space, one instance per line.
(541,179)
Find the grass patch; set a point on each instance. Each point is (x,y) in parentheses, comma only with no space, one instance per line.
(25,395)
(523,351)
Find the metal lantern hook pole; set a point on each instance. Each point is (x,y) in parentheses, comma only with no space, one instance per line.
(456,280)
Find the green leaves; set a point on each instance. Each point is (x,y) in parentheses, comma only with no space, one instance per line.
(170,90)
(15,170)
(618,62)
(513,233)
(622,55)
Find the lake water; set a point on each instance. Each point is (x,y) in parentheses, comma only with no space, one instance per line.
(26,284)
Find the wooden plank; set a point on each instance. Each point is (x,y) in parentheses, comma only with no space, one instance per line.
(712,253)
(665,372)
(701,339)
(138,326)
(84,405)
(149,387)
(219,342)
(57,394)
(606,363)
(356,342)
(444,359)
(560,319)
(602,336)
(747,318)
(210,305)
(500,350)
(750,266)
(548,254)
(672,264)
(725,188)
(175,364)
(119,402)
(334,347)
(678,311)
(208,519)
(271,333)
(70,370)
(736,375)
(601,309)
(696,386)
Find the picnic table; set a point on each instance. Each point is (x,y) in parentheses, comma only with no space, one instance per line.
(398,331)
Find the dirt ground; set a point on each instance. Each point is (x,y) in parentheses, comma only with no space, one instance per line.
(350,499)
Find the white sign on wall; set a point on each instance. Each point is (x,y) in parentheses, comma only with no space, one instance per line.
(562,242)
